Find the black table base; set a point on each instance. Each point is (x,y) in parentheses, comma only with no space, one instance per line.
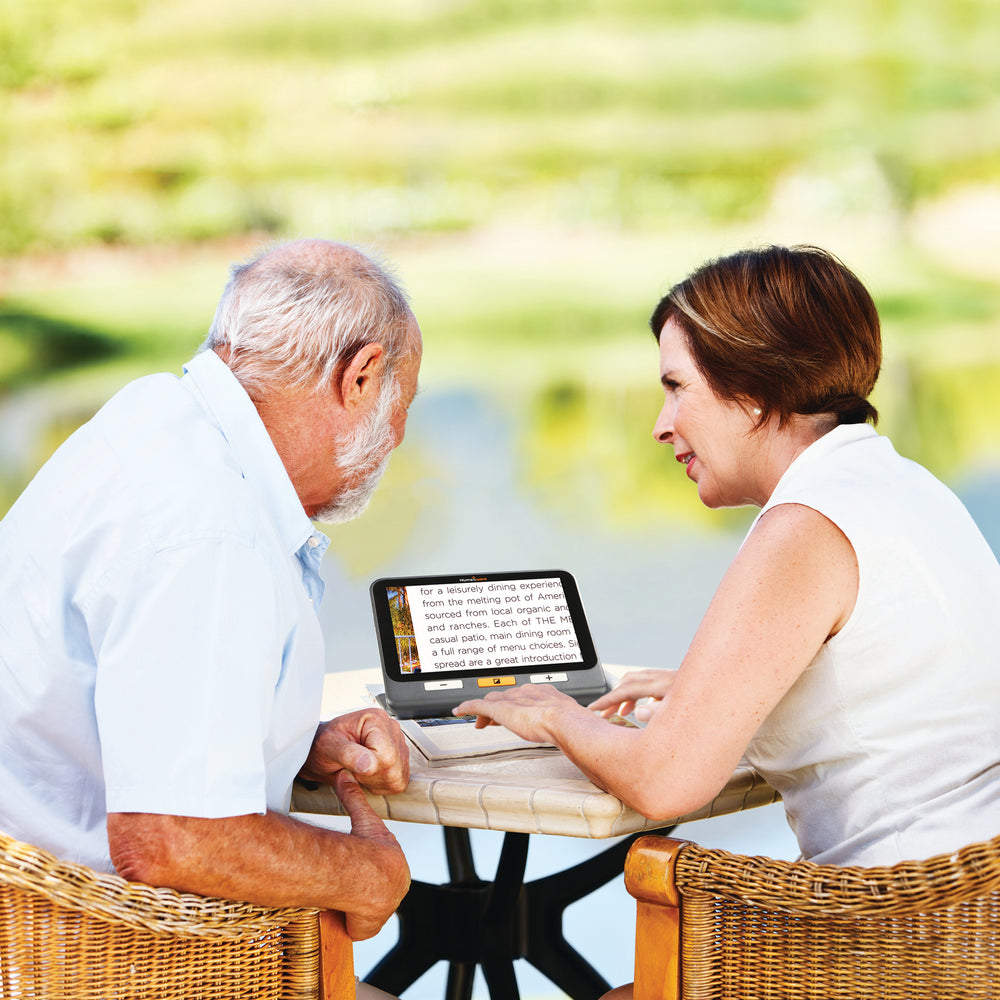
(468,922)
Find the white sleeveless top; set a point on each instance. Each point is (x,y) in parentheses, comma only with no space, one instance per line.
(887,748)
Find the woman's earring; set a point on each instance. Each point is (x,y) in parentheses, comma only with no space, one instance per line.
(756,411)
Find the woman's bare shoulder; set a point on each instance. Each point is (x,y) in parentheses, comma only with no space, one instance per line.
(799,550)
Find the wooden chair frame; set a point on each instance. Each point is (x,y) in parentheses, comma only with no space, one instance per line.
(713,925)
(70,933)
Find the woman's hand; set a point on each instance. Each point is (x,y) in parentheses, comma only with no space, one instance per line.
(530,710)
(623,699)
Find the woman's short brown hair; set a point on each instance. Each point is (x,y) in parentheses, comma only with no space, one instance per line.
(789,329)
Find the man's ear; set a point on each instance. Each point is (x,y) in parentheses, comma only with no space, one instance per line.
(362,376)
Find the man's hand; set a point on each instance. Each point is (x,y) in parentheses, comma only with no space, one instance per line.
(369,744)
(384,887)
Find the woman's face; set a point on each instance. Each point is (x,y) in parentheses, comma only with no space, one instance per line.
(710,436)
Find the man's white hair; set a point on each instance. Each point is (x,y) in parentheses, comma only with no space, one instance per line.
(294,316)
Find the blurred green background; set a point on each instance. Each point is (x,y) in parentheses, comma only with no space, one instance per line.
(539,172)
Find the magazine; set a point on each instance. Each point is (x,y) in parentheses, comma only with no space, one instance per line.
(447,739)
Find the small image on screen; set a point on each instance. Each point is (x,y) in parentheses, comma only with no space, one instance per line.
(402,629)
(482,624)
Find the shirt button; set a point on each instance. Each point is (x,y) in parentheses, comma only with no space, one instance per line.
(313,541)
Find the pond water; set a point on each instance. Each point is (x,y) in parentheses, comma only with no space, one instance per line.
(484,483)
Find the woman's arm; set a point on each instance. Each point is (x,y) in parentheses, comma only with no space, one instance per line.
(792,585)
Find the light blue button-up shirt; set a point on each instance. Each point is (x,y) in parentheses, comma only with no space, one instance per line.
(159,645)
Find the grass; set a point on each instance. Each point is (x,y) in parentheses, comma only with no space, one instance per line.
(138,122)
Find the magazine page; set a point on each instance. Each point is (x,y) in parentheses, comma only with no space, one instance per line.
(447,739)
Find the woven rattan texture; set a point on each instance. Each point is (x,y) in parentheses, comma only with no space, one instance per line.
(756,929)
(69,933)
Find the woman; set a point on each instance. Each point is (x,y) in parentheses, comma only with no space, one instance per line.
(850,652)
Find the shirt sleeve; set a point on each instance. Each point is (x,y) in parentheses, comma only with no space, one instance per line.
(188,657)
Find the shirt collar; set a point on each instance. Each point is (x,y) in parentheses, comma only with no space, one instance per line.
(836,437)
(817,453)
(237,417)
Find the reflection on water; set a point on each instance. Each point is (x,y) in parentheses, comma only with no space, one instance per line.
(568,477)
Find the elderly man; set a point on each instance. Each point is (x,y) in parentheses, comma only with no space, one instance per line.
(161,662)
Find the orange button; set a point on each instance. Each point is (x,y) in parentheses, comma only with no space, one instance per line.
(495,682)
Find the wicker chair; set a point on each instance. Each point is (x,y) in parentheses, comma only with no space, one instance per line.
(70,933)
(711,924)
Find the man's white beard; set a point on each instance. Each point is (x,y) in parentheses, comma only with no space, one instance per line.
(365,452)
(351,502)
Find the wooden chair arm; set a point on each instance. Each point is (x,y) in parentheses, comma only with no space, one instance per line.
(649,877)
(650,868)
(336,958)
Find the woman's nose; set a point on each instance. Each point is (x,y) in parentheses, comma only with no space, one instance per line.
(663,429)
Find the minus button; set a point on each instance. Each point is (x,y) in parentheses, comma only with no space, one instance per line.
(442,685)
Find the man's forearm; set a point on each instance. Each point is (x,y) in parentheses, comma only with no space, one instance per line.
(270,859)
